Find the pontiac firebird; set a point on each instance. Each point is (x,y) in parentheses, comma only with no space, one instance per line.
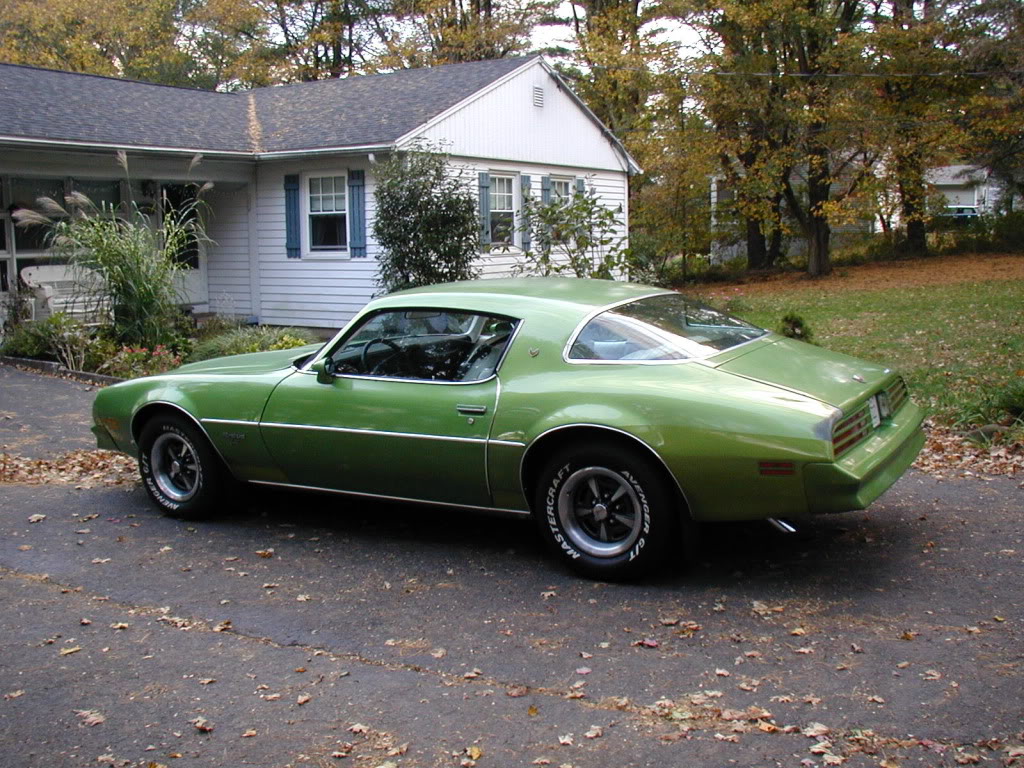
(615,414)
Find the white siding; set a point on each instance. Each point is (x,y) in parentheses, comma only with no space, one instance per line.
(323,293)
(227,266)
(610,186)
(503,124)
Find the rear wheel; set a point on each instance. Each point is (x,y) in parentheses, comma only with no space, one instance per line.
(179,469)
(605,511)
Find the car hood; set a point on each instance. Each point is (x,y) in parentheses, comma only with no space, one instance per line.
(830,377)
(254,363)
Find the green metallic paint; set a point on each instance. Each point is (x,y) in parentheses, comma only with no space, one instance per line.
(711,421)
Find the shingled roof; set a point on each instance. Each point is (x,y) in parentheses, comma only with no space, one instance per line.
(51,106)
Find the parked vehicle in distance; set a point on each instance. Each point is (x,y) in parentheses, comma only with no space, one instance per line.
(615,414)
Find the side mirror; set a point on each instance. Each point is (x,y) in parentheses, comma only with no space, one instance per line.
(324,370)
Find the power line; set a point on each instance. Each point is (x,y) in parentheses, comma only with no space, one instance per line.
(884,76)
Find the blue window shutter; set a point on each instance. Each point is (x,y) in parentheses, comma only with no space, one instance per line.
(291,216)
(545,190)
(524,183)
(581,186)
(485,208)
(357,214)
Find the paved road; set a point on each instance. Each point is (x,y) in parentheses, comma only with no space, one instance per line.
(430,634)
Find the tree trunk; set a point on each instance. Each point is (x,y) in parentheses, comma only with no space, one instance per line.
(816,228)
(757,250)
(910,173)
(819,234)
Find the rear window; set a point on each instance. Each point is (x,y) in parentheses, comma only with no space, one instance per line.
(666,327)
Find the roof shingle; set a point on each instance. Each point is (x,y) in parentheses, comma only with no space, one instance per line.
(356,111)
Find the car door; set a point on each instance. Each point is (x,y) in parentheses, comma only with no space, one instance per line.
(405,414)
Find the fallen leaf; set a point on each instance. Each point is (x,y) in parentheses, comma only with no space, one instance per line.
(532,711)
(474,752)
(303,699)
(303,598)
(541,761)
(645,643)
(14,694)
(85,622)
(831,759)
(595,732)
(822,747)
(69,651)
(565,741)
(36,518)
(100,560)
(90,717)
(516,691)
(876,699)
(248,734)
(722,672)
(732,737)
(583,670)
(24,547)
(271,696)
(208,681)
(202,724)
(667,621)
(472,674)
(798,631)
(815,730)
(359,728)
(223,626)
(269,552)
(119,625)
(931,674)
(804,651)
(439,653)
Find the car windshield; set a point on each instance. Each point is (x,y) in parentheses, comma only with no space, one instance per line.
(665,327)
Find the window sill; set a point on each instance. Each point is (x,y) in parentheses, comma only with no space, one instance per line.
(327,256)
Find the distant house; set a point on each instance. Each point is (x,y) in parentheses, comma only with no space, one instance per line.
(292,207)
(968,190)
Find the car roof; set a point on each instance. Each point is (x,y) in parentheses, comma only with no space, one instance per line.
(519,296)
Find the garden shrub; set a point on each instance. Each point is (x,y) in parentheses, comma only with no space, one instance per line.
(794,326)
(257,338)
(132,362)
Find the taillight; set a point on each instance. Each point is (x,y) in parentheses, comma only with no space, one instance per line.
(851,430)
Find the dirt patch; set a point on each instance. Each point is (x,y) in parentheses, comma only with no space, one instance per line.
(938,270)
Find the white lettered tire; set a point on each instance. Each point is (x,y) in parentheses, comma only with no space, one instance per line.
(605,511)
(179,469)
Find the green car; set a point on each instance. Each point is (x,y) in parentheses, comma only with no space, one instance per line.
(615,414)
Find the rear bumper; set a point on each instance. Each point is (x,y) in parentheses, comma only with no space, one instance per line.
(868,471)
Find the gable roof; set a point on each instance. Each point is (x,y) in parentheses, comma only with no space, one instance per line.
(48,106)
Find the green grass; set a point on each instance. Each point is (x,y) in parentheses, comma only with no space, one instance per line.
(959,345)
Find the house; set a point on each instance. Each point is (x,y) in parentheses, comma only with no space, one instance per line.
(292,207)
(968,190)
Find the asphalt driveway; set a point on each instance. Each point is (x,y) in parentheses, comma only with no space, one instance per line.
(309,630)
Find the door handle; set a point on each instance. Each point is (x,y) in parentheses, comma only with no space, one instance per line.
(468,410)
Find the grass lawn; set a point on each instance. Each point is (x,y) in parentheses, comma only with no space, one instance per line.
(958,340)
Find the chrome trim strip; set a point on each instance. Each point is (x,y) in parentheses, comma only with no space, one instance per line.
(522,460)
(239,422)
(389,498)
(376,432)
(513,443)
(471,410)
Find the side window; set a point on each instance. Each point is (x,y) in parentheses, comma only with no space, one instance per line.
(503,212)
(425,345)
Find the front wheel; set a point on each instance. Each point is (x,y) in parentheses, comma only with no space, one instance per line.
(605,511)
(180,471)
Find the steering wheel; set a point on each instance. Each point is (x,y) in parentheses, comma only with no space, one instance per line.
(365,356)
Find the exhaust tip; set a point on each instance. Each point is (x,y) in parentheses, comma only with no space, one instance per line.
(781,525)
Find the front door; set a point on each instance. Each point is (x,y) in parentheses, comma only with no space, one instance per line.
(407,413)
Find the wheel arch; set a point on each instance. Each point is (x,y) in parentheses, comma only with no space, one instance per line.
(542,447)
(150,410)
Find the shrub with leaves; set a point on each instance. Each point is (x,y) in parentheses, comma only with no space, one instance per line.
(795,327)
(257,338)
(576,236)
(426,222)
(132,362)
(59,337)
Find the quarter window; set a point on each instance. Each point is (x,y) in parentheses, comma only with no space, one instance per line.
(327,213)
(503,210)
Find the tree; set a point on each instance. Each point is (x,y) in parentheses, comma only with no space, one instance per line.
(426,222)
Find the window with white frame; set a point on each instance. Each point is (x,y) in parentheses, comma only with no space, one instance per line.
(503,211)
(561,189)
(326,205)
